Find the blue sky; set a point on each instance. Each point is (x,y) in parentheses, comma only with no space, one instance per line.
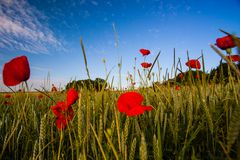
(48,33)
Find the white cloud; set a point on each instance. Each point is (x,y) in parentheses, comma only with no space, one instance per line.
(22,27)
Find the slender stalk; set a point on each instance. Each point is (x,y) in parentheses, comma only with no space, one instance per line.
(60,145)
(26,85)
(153,64)
(85,58)
(11,89)
(45,95)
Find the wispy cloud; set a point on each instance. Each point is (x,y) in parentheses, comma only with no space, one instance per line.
(23,27)
(41,68)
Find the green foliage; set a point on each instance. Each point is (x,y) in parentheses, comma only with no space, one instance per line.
(98,84)
(222,73)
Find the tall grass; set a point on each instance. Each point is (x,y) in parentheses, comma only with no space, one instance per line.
(197,121)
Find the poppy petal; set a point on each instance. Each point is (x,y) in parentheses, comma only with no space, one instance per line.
(70,113)
(144,52)
(138,110)
(7,96)
(59,108)
(193,63)
(72,96)
(234,58)
(61,122)
(130,103)
(7,103)
(147,108)
(146,65)
(16,71)
(180,75)
(129,100)
(135,111)
(225,42)
(177,88)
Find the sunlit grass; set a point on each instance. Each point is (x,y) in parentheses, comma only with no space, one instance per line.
(191,122)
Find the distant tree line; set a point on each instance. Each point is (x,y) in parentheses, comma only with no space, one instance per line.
(219,74)
(97,84)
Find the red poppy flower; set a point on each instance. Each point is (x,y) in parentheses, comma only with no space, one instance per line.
(16,71)
(130,103)
(62,120)
(193,63)
(180,75)
(63,111)
(197,76)
(63,114)
(59,109)
(72,96)
(146,65)
(145,52)
(225,42)
(234,58)
(7,96)
(40,96)
(177,88)
(7,103)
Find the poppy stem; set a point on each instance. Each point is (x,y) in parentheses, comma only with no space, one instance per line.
(11,89)
(153,64)
(179,70)
(26,85)
(199,57)
(225,32)
(45,94)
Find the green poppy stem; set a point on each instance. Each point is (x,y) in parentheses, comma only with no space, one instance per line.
(179,70)
(153,64)
(229,51)
(11,89)
(26,85)
(199,57)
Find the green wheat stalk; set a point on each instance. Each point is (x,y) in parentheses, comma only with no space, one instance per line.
(143,148)
(234,128)
(133,149)
(85,58)
(99,144)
